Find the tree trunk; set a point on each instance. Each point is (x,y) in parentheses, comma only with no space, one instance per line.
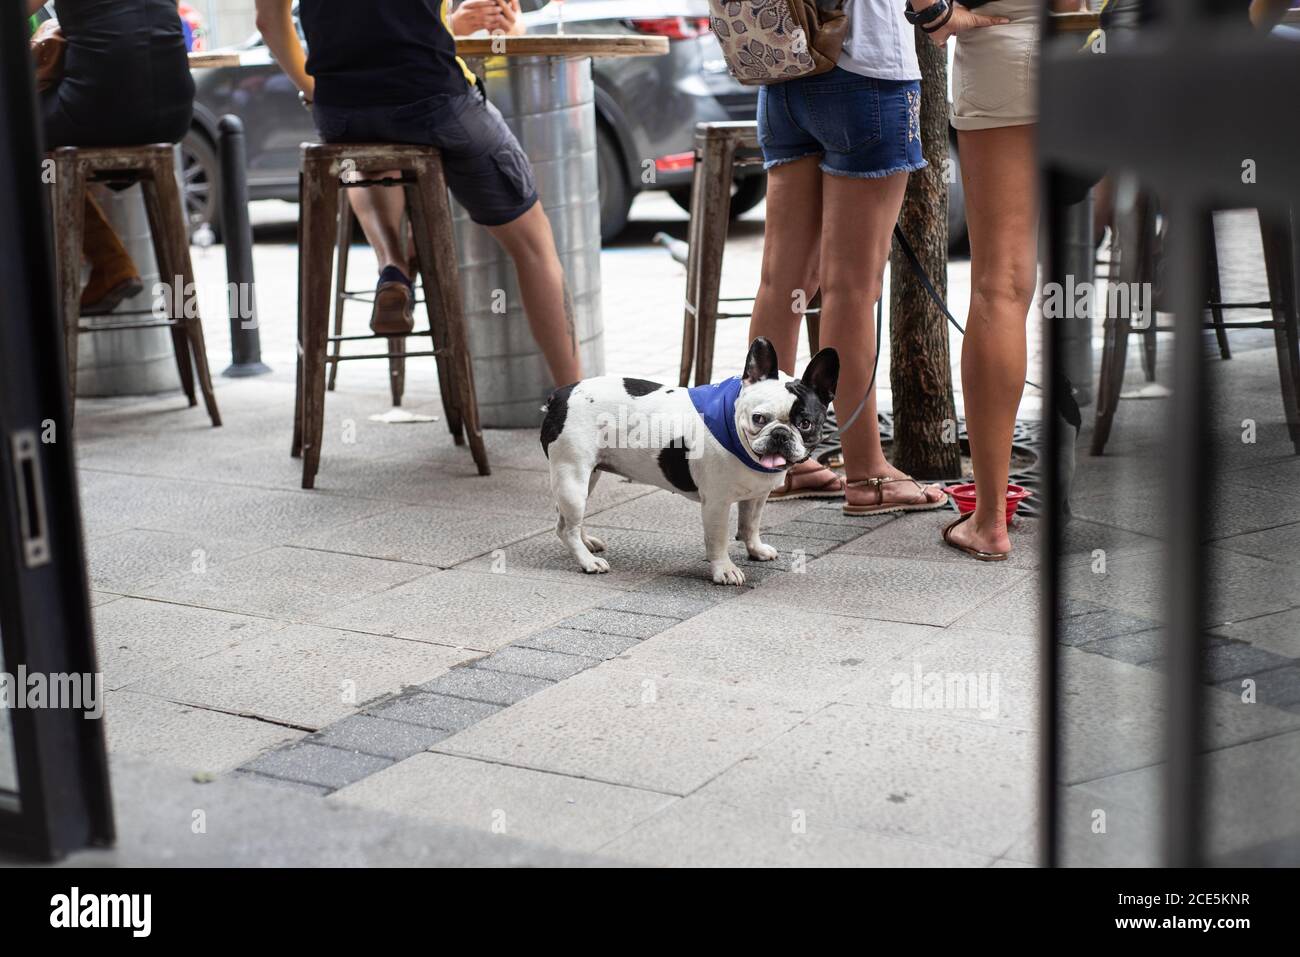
(925,430)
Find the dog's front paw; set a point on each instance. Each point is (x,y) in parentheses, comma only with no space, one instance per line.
(597,566)
(760,552)
(726,573)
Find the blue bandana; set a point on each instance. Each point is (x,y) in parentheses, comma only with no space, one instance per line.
(716,404)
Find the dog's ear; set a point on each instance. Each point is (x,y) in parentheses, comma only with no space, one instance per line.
(761,362)
(823,374)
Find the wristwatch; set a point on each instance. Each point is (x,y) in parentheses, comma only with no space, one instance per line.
(938,9)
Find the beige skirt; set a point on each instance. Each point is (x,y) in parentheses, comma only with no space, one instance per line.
(995,75)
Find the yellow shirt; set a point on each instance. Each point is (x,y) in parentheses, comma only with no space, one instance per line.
(470,78)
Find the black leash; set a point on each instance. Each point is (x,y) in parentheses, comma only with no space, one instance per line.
(915,262)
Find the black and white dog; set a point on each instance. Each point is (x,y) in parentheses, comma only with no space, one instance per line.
(731,442)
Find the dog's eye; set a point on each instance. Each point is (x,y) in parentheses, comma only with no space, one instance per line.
(759,419)
(805,425)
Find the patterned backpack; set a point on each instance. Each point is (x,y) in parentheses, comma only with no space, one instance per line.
(770,41)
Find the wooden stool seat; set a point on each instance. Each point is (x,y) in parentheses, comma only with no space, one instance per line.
(153,167)
(720,148)
(326,170)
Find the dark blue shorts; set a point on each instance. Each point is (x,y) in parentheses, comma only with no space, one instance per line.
(859,125)
(486,168)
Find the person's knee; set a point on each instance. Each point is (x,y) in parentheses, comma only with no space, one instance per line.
(1005,291)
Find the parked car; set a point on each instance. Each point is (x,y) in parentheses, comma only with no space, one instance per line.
(646,110)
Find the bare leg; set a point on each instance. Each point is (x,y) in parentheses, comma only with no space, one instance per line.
(529,242)
(379,210)
(791,245)
(998,172)
(858,217)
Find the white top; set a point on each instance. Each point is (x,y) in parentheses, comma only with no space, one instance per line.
(880,42)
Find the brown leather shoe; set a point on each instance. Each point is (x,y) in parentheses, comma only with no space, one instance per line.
(394,312)
(104,293)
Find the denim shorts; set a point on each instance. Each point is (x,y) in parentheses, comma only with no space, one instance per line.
(860,126)
(486,168)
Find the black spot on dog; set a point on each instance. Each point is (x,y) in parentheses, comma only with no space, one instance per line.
(639,387)
(557,410)
(677,468)
(808,407)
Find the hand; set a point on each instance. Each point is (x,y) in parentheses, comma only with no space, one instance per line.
(961,21)
(490,15)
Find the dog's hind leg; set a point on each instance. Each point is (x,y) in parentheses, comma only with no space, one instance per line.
(569,485)
(593,544)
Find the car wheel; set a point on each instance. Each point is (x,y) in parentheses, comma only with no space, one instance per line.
(745,195)
(615,194)
(958,240)
(201,180)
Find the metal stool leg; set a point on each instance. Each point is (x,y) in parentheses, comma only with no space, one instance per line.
(692,277)
(169,270)
(341,283)
(319,218)
(431,222)
(813,320)
(295,450)
(1216,292)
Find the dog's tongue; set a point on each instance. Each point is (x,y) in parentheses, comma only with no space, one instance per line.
(772,461)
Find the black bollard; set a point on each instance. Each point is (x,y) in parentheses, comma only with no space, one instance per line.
(245,342)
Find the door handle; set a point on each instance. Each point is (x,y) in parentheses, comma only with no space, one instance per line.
(33,528)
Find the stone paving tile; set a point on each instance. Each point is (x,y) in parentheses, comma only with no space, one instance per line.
(810,658)
(470,609)
(1237,509)
(891,589)
(137,639)
(630,728)
(495,798)
(900,774)
(1280,544)
(1281,475)
(832,513)
(635,557)
(182,736)
(700,832)
(366,734)
(424,534)
(283,784)
(317,765)
(1278,687)
(1279,632)
(1082,540)
(551,665)
(129,559)
(1229,660)
(957,674)
(433,711)
(1100,625)
(291,583)
(587,644)
(1135,648)
(301,675)
(481,684)
(665,603)
(624,623)
(917,536)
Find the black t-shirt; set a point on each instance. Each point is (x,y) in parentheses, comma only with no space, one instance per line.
(379,53)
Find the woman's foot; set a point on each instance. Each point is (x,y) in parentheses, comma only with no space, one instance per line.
(971,536)
(809,479)
(902,491)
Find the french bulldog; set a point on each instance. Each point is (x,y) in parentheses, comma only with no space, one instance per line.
(719,445)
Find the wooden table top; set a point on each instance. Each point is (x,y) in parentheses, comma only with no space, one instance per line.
(539,44)
(549,44)
(1087,22)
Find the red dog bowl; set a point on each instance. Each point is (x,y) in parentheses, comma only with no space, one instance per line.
(964,496)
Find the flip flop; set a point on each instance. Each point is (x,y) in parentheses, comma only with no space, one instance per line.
(833,487)
(972,552)
(887,508)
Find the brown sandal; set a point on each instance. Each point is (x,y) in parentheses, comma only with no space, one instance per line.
(833,487)
(972,552)
(886,508)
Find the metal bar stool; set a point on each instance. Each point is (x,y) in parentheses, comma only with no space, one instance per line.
(1137,237)
(323,169)
(343,295)
(153,168)
(719,149)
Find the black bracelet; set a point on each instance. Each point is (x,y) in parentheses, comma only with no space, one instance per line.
(942,23)
(933,12)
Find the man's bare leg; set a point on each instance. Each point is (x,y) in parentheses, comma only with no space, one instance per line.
(547,303)
(379,210)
